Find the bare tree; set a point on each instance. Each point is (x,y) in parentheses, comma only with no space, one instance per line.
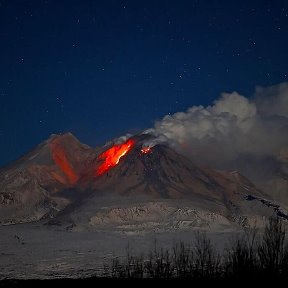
(241,258)
(245,257)
(271,251)
(206,260)
(183,260)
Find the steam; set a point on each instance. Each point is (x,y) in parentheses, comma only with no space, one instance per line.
(117,141)
(160,139)
(250,135)
(122,139)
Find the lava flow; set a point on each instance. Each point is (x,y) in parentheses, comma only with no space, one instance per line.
(60,158)
(146,150)
(112,156)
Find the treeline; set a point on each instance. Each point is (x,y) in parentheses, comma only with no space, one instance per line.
(252,256)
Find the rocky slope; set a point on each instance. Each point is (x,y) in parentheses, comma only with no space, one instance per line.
(150,187)
(31,187)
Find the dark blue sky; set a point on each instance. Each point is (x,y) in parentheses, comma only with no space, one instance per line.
(104,68)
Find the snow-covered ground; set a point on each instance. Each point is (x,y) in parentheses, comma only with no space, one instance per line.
(36,251)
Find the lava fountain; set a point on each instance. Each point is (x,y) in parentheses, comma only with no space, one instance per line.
(146,150)
(112,156)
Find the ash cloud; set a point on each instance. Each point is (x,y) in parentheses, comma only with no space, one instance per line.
(250,135)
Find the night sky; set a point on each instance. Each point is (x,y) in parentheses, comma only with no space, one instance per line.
(101,69)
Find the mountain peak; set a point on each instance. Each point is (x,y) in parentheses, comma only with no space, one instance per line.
(63,136)
(65,139)
(62,171)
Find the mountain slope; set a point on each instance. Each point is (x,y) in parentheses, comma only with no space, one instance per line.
(68,181)
(171,182)
(29,187)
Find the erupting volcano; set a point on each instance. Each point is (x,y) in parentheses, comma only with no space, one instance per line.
(57,181)
(112,156)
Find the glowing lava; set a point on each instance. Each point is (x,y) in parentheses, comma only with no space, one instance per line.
(60,158)
(112,156)
(146,150)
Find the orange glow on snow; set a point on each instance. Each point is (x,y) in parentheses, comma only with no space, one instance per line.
(146,150)
(112,156)
(60,158)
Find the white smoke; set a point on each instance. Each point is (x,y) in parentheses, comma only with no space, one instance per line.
(118,140)
(233,132)
(160,139)
(273,100)
(122,139)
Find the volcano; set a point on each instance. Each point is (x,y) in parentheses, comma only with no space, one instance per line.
(30,187)
(130,183)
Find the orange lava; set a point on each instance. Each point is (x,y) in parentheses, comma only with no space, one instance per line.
(60,158)
(112,156)
(146,150)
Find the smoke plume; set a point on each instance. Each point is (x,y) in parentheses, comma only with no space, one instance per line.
(250,135)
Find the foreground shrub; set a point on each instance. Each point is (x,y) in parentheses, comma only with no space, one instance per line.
(246,256)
